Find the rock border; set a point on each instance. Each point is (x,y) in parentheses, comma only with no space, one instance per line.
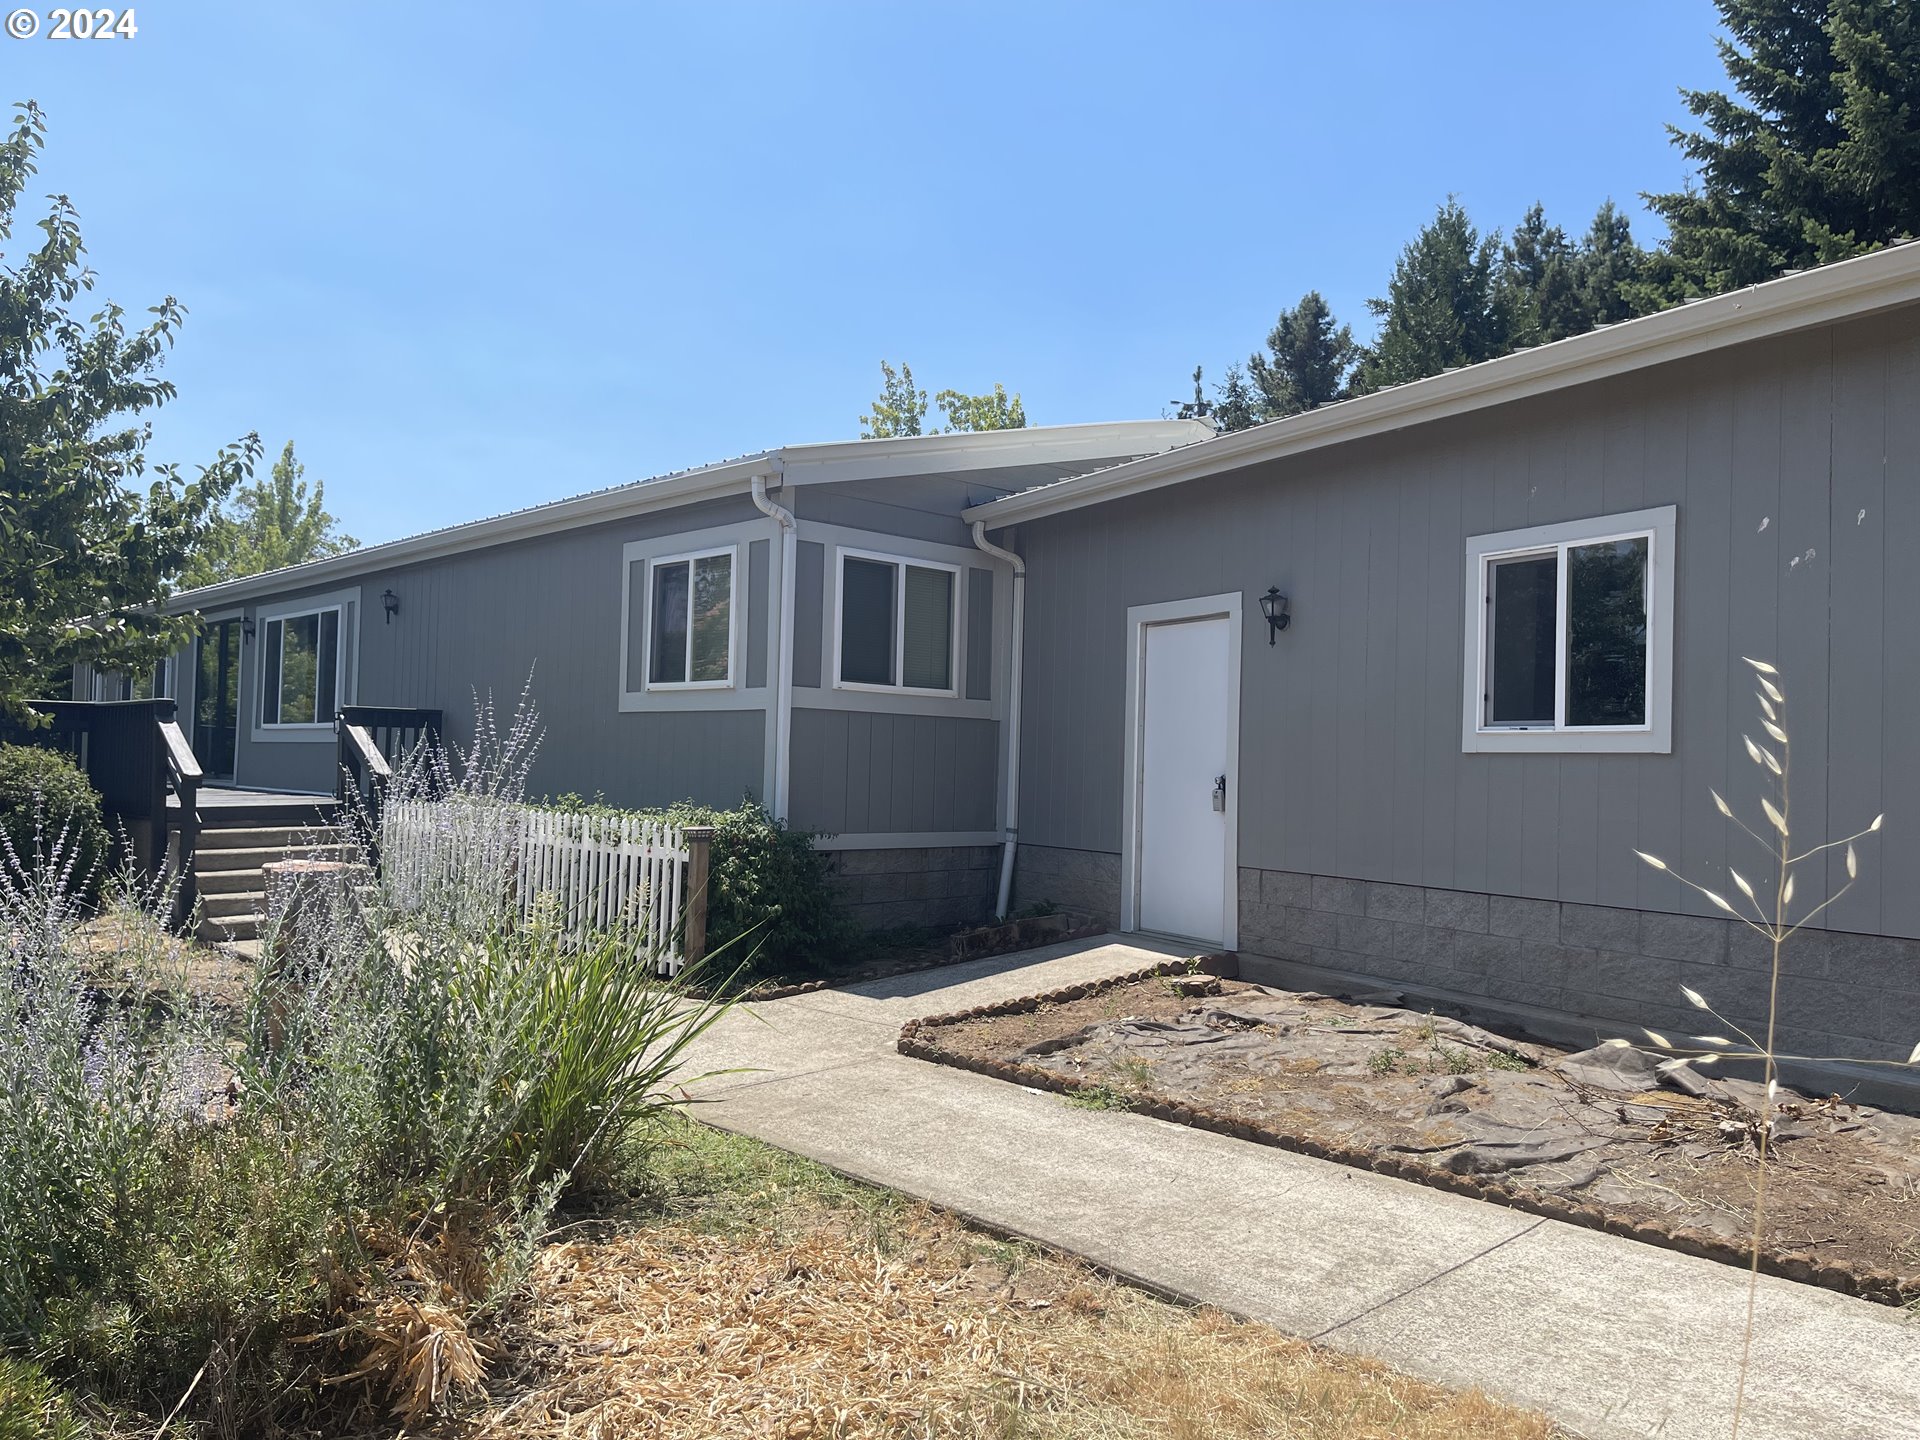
(1861,1281)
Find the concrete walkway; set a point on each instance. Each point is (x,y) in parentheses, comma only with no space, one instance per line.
(1611,1337)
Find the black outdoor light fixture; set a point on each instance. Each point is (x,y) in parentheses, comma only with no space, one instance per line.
(246,627)
(1273,605)
(391,603)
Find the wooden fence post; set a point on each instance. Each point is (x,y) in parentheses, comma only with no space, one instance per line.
(693,945)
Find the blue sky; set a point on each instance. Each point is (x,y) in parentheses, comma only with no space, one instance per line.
(473,257)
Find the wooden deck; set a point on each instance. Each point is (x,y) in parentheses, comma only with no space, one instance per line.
(228,805)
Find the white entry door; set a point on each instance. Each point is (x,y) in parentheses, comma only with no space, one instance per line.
(1187,734)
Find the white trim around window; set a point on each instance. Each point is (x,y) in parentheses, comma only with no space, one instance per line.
(344,606)
(691,560)
(901,565)
(1543,727)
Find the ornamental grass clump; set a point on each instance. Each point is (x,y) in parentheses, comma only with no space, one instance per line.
(333,1197)
(1767,906)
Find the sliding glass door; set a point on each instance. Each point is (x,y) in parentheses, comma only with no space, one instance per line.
(216,698)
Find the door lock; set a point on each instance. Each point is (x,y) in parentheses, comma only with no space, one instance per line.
(1220,795)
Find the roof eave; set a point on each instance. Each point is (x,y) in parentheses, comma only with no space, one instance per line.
(1845,290)
(635,499)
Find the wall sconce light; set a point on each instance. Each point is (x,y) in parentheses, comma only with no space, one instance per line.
(391,603)
(1273,605)
(246,627)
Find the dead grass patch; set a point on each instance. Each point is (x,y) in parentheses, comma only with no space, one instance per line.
(858,1315)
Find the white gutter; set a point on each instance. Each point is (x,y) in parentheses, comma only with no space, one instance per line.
(618,503)
(1064,445)
(1832,293)
(1011,804)
(783,715)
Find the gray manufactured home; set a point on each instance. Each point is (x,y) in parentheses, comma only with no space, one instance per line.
(1392,689)
(1517,598)
(813,627)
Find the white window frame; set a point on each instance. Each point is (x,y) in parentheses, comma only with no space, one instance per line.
(687,558)
(900,564)
(345,660)
(1657,527)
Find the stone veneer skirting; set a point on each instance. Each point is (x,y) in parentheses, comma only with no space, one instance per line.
(1841,994)
(939,885)
(1083,880)
(1856,996)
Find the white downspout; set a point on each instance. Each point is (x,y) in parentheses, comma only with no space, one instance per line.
(1012,803)
(783,714)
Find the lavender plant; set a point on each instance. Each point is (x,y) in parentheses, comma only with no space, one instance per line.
(91,1077)
(427,1028)
(1766,906)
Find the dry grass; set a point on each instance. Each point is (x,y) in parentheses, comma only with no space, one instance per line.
(805,1308)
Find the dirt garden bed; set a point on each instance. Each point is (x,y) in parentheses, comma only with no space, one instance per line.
(1600,1137)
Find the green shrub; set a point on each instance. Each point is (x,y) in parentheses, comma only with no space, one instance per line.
(769,903)
(30,1407)
(42,796)
(767,891)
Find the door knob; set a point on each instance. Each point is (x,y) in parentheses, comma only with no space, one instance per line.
(1220,794)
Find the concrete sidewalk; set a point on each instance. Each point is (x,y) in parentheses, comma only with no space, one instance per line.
(1611,1337)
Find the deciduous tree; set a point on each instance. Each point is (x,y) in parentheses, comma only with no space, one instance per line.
(900,408)
(269,525)
(85,555)
(981,412)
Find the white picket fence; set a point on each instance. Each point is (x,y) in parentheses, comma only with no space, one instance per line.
(588,874)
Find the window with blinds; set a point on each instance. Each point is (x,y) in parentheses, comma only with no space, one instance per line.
(896,623)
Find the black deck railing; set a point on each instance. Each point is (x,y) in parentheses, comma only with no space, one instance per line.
(370,741)
(135,756)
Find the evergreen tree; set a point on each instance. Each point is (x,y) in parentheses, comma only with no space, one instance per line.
(85,556)
(1239,403)
(1538,283)
(269,525)
(1613,272)
(1308,360)
(1440,309)
(900,408)
(1818,158)
(1549,287)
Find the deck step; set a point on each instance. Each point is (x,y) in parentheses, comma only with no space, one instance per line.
(237,927)
(233,904)
(229,865)
(257,837)
(207,862)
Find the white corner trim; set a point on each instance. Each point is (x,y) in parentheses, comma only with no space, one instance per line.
(1139,617)
(1659,524)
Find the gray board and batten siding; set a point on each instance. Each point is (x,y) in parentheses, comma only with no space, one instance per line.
(1794,467)
(566,610)
(544,612)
